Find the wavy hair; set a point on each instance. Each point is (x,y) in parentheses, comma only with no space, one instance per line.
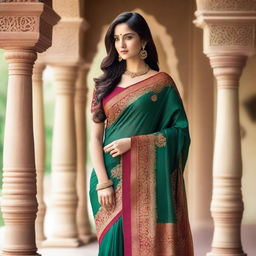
(112,68)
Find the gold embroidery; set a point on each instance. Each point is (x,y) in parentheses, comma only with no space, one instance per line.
(116,172)
(148,237)
(143,195)
(160,140)
(154,97)
(166,239)
(183,240)
(115,106)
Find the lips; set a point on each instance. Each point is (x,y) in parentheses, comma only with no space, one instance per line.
(124,51)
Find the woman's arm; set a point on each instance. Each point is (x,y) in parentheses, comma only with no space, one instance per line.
(106,197)
(97,131)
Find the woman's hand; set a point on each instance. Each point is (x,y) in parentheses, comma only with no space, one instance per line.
(106,197)
(118,147)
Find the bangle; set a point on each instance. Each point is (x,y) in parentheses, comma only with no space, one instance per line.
(103,185)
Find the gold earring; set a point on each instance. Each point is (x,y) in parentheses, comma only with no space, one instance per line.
(119,58)
(143,53)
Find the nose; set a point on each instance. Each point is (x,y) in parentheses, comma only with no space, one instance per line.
(122,43)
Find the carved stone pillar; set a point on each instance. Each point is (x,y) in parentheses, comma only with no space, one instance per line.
(227,204)
(39,138)
(65,58)
(229,37)
(83,223)
(64,195)
(23,33)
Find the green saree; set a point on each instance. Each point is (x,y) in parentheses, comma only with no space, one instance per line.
(150,217)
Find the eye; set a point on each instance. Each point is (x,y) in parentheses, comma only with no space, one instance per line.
(129,37)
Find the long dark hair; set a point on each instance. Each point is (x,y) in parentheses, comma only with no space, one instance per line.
(112,68)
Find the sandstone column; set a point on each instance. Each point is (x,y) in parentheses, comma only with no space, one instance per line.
(64,195)
(83,223)
(39,138)
(227,204)
(22,35)
(65,59)
(229,37)
(201,113)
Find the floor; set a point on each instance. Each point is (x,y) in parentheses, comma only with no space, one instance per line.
(202,243)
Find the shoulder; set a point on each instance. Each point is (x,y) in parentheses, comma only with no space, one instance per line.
(164,78)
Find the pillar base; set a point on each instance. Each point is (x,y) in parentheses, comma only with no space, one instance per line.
(61,242)
(86,239)
(14,254)
(225,254)
(39,242)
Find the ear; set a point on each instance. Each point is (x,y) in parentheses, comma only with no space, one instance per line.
(143,43)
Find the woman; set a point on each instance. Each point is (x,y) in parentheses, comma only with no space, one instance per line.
(139,147)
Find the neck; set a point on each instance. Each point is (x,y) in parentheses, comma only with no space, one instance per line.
(137,65)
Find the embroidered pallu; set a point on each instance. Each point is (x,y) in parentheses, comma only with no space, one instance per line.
(150,217)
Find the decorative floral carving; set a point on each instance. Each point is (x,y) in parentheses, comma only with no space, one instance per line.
(234,34)
(10,1)
(17,23)
(228,5)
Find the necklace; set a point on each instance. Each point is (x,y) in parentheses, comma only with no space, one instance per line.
(133,74)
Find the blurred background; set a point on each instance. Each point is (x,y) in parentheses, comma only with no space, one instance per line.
(180,47)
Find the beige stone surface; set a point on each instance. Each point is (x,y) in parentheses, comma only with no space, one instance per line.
(227,51)
(25,30)
(64,195)
(39,142)
(82,218)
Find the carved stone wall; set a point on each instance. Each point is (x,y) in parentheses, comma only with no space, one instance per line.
(226,5)
(10,1)
(46,2)
(18,23)
(232,34)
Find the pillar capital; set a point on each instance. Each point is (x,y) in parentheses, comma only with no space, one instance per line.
(227,69)
(227,5)
(229,38)
(26,26)
(68,42)
(229,27)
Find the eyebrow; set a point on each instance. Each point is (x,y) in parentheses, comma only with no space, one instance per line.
(126,34)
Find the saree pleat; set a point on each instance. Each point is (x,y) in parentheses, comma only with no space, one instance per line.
(151,215)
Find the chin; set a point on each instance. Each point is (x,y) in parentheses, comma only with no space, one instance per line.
(130,57)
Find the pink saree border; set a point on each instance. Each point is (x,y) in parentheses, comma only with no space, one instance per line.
(139,197)
(117,104)
(142,234)
(109,226)
(127,203)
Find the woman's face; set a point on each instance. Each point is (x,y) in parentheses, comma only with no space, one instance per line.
(127,40)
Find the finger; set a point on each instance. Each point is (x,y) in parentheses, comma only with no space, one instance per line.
(100,200)
(115,154)
(108,204)
(106,200)
(109,149)
(110,201)
(107,146)
(114,150)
